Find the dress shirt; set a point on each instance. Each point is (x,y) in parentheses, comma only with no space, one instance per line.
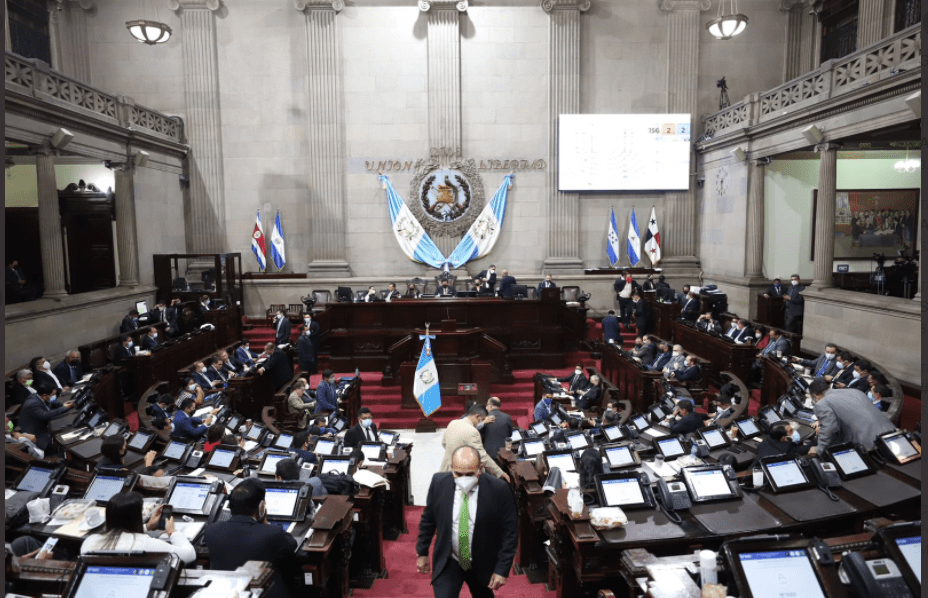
(369,434)
(53,376)
(456,519)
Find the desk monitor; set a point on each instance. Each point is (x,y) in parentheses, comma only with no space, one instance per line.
(613,433)
(333,464)
(141,441)
(773,570)
(806,416)
(284,440)
(768,416)
(671,447)
(176,450)
(540,428)
(788,408)
(96,419)
(562,459)
(897,448)
(785,473)
(104,486)
(640,422)
(620,456)
(850,461)
(747,428)
(256,432)
(388,436)
(657,413)
(234,422)
(113,429)
(286,501)
(225,457)
(374,451)
(626,490)
(577,440)
(715,437)
(101,576)
(903,543)
(270,460)
(191,495)
(533,446)
(324,446)
(516,435)
(556,418)
(336,422)
(141,307)
(39,477)
(708,483)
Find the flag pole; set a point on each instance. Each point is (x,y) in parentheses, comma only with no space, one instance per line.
(426,424)
(280,232)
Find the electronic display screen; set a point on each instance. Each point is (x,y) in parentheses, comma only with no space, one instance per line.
(174,450)
(270,462)
(139,440)
(564,461)
(786,474)
(125,582)
(113,428)
(900,446)
(747,427)
(555,418)
(250,445)
(372,451)
(658,413)
(516,436)
(284,440)
(254,432)
(788,408)
(670,447)
(104,487)
(640,422)
(707,483)
(387,437)
(141,307)
(189,496)
(578,441)
(849,461)
(779,573)
(97,417)
(714,438)
(613,433)
(336,465)
(621,492)
(806,416)
(540,428)
(36,479)
(771,416)
(234,422)
(533,447)
(281,502)
(619,456)
(325,447)
(221,458)
(911,549)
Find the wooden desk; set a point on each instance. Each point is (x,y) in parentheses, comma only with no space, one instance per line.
(770,311)
(663,315)
(532,504)
(163,362)
(368,562)
(636,384)
(397,473)
(228,323)
(328,552)
(722,354)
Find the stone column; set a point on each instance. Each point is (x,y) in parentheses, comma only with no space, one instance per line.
(75,50)
(126,242)
(55,9)
(325,171)
(563,98)
(825,214)
(754,239)
(6,27)
(678,227)
(50,224)
(206,210)
(793,66)
(444,88)
(870,22)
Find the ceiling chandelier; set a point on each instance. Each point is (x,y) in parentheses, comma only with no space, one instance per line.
(907,165)
(148,31)
(727,26)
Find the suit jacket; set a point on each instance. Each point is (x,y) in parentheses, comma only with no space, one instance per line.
(188,428)
(816,366)
(121,353)
(283,331)
(611,329)
(705,325)
(660,361)
(446,291)
(233,542)
(356,435)
(13,275)
(741,336)
(861,384)
(505,286)
(580,382)
(689,423)
(796,304)
(646,353)
(215,375)
(461,432)
(149,343)
(390,297)
(34,417)
(675,363)
(687,373)
(203,380)
(40,377)
(542,410)
(591,398)
(494,434)
(306,353)
(848,415)
(769,447)
(496,528)
(641,311)
(325,397)
(246,356)
(544,284)
(774,291)
(690,310)
(278,369)
(169,316)
(64,373)
(128,325)
(781,344)
(490,278)
(296,404)
(620,283)
(20,393)
(844,376)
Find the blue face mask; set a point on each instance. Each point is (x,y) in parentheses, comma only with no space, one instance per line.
(796,437)
(366,423)
(870,395)
(547,401)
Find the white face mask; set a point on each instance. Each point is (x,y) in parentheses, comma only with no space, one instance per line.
(366,423)
(676,354)
(202,370)
(192,387)
(46,365)
(829,356)
(155,335)
(578,372)
(839,365)
(466,483)
(856,374)
(794,282)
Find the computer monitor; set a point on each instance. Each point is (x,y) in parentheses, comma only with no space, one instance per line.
(191,495)
(577,440)
(776,572)
(806,416)
(234,422)
(324,446)
(141,440)
(112,429)
(911,549)
(625,490)
(715,437)
(903,543)
(533,446)
(540,428)
(516,435)
(96,419)
(563,460)
(556,418)
(104,486)
(769,415)
(619,456)
(640,422)
(97,576)
(373,451)
(334,464)
(38,477)
(141,307)
(388,437)
(670,447)
(613,433)
(175,450)
(286,501)
(897,448)
(255,432)
(657,413)
(747,428)
(270,460)
(708,483)
(784,473)
(225,457)
(849,461)
(284,440)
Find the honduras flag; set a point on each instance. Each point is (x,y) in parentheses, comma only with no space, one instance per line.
(414,241)
(257,243)
(634,241)
(425,388)
(483,233)
(612,240)
(277,244)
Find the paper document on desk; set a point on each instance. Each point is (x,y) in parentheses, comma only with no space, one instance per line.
(571,478)
(370,479)
(190,530)
(664,471)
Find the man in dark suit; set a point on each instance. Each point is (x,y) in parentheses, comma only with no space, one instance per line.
(860,376)
(245,355)
(187,427)
(228,365)
(475,518)
(306,352)
(247,536)
(689,372)
(706,323)
(446,290)
(313,326)
(20,289)
(732,328)
(505,285)
(625,286)
(774,290)
(495,431)
(592,396)
(167,315)
(22,387)
(123,350)
(684,295)
(547,283)
(489,275)
(578,381)
(150,340)
(684,419)
(639,310)
(36,412)
(823,365)
(645,349)
(130,322)
(845,374)
(277,368)
(215,372)
(777,343)
(612,332)
(690,310)
(391,294)
(282,327)
(69,371)
(743,333)
(200,375)
(363,431)
(326,400)
(795,305)
(661,359)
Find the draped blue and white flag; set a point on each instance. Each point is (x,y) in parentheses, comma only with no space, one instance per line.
(634,241)
(257,243)
(425,387)
(612,240)
(277,244)
(414,241)
(483,233)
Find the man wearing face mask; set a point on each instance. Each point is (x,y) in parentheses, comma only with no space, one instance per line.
(325,393)
(37,411)
(306,347)
(639,311)
(578,382)
(592,396)
(661,359)
(69,371)
(494,433)
(845,415)
(880,395)
(363,431)
(794,304)
(187,427)
(645,350)
(490,277)
(543,407)
(480,556)
(282,328)
(247,536)
(26,440)
(130,322)
(371,295)
(677,361)
(277,367)
(823,365)
(845,374)
(123,350)
(466,432)
(42,374)
(22,387)
(150,340)
(200,376)
(782,440)
(624,287)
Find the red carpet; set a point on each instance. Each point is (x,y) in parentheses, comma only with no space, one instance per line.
(404,580)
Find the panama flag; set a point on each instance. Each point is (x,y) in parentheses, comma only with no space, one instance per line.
(634,241)
(652,240)
(414,241)
(612,240)
(277,244)
(425,388)
(257,244)
(483,233)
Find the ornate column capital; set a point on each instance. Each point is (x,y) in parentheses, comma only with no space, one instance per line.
(459,5)
(757,162)
(790,5)
(828,146)
(44,150)
(194,4)
(336,5)
(552,5)
(672,5)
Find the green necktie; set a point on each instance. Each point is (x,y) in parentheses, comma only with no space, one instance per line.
(464,533)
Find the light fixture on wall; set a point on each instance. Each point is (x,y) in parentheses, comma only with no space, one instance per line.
(727,25)
(148,31)
(907,165)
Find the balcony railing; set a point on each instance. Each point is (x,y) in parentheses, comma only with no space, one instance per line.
(35,78)
(835,77)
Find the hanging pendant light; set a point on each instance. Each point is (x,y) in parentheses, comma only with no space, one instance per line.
(148,31)
(727,26)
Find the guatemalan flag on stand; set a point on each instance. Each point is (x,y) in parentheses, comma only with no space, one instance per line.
(277,244)
(257,244)
(612,240)
(425,388)
(414,241)
(634,241)
(483,233)
(652,241)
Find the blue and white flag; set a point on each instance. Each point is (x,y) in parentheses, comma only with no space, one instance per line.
(414,241)
(612,240)
(483,233)
(277,244)
(257,243)
(425,388)
(634,241)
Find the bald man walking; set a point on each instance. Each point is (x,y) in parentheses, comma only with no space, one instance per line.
(465,552)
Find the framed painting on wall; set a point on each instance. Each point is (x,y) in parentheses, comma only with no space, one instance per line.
(871,221)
